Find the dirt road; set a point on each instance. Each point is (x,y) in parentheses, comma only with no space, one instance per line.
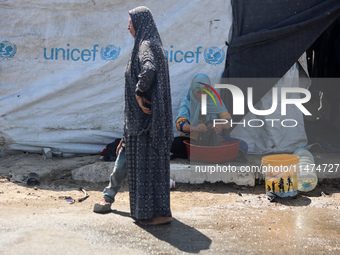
(208,219)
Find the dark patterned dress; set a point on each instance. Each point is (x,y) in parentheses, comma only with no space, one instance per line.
(148,137)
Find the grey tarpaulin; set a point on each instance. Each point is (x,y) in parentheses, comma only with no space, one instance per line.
(63,62)
(268,36)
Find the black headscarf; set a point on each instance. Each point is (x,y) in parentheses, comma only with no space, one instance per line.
(148,70)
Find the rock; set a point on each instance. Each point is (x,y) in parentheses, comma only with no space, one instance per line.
(46,153)
(97,172)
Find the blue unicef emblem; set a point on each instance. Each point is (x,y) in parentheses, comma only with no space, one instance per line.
(214,55)
(7,50)
(109,52)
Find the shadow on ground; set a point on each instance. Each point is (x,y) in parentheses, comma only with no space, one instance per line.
(183,237)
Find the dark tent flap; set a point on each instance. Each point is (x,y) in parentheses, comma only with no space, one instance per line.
(265,46)
(270,35)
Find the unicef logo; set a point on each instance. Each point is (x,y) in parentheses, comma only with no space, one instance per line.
(214,56)
(7,50)
(110,52)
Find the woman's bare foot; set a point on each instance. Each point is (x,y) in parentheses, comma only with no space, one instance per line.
(158,220)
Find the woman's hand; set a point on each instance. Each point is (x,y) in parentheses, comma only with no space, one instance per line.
(141,102)
(200,128)
(218,128)
(119,147)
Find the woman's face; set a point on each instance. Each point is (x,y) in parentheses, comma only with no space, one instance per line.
(131,28)
(199,93)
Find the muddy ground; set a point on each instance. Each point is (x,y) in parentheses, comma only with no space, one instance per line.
(209,218)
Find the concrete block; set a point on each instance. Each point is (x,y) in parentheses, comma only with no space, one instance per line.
(179,172)
(97,172)
(188,174)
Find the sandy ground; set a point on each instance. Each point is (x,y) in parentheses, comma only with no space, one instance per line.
(208,218)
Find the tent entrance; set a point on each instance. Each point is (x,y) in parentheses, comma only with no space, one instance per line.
(324,69)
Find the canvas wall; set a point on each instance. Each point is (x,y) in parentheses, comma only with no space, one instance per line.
(63,62)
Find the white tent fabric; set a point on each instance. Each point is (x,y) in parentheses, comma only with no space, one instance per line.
(275,136)
(63,63)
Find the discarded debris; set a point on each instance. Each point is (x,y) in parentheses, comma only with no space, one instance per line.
(67,199)
(272,197)
(46,153)
(85,195)
(33,179)
(71,200)
(323,194)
